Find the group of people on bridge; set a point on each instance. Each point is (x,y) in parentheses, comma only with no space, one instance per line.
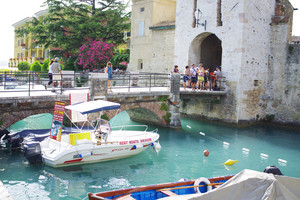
(199,78)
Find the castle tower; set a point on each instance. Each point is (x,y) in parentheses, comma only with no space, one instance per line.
(248,39)
(237,36)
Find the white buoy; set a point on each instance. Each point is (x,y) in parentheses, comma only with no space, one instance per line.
(245,149)
(264,156)
(201,133)
(226,143)
(188,126)
(281,160)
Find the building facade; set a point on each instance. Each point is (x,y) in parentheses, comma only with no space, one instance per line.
(152,35)
(25,48)
(248,39)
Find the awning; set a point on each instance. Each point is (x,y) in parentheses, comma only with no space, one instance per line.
(93,106)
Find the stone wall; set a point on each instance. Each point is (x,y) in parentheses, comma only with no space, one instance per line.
(282,99)
(162,51)
(14,109)
(257,17)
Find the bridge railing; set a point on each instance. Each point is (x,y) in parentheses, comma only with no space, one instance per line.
(29,82)
(217,84)
(149,81)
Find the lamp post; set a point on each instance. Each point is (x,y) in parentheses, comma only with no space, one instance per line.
(198,15)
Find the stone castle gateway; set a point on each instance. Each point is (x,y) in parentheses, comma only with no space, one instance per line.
(249,39)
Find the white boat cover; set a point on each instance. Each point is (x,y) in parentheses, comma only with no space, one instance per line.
(93,106)
(4,194)
(251,185)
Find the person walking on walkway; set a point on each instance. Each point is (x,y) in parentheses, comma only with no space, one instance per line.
(56,69)
(109,72)
(50,75)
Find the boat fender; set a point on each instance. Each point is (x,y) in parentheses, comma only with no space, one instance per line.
(157,147)
(137,146)
(202,180)
(85,154)
(230,162)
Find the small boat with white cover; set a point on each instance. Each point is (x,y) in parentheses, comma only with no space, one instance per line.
(101,143)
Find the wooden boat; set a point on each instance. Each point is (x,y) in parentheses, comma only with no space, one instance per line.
(151,192)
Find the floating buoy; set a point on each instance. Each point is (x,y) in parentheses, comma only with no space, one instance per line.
(206,152)
(230,162)
(246,150)
(281,160)
(226,143)
(202,133)
(188,126)
(264,156)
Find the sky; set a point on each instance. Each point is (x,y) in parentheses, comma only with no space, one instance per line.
(12,11)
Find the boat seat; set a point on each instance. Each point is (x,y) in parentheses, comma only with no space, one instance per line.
(168,192)
(125,197)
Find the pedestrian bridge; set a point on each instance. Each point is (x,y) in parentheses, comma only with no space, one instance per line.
(146,98)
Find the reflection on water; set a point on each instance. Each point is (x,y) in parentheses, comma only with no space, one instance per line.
(181,156)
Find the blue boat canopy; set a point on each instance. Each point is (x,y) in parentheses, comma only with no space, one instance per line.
(93,106)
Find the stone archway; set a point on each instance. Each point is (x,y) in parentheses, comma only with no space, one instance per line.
(144,112)
(206,48)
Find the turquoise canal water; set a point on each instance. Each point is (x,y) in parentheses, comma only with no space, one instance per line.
(181,156)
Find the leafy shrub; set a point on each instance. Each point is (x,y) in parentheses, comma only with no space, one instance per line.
(45,66)
(120,56)
(164,107)
(162,98)
(36,66)
(71,64)
(93,53)
(270,117)
(104,116)
(167,118)
(23,66)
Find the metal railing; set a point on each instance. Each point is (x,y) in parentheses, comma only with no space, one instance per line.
(35,81)
(217,84)
(144,80)
(29,82)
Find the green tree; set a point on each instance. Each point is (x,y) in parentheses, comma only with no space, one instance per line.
(45,66)
(36,66)
(120,56)
(23,66)
(71,22)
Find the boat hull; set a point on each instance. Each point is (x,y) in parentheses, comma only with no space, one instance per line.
(152,192)
(59,154)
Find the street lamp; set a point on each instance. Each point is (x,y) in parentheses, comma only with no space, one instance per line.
(198,15)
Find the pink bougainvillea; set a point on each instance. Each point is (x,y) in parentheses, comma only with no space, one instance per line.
(95,53)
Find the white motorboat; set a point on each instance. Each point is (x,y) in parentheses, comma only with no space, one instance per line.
(101,143)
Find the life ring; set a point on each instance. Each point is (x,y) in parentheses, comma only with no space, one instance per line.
(202,180)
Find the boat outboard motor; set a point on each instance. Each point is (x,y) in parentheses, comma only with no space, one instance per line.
(273,170)
(12,142)
(33,154)
(4,133)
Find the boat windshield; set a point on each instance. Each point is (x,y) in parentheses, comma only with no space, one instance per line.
(103,125)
